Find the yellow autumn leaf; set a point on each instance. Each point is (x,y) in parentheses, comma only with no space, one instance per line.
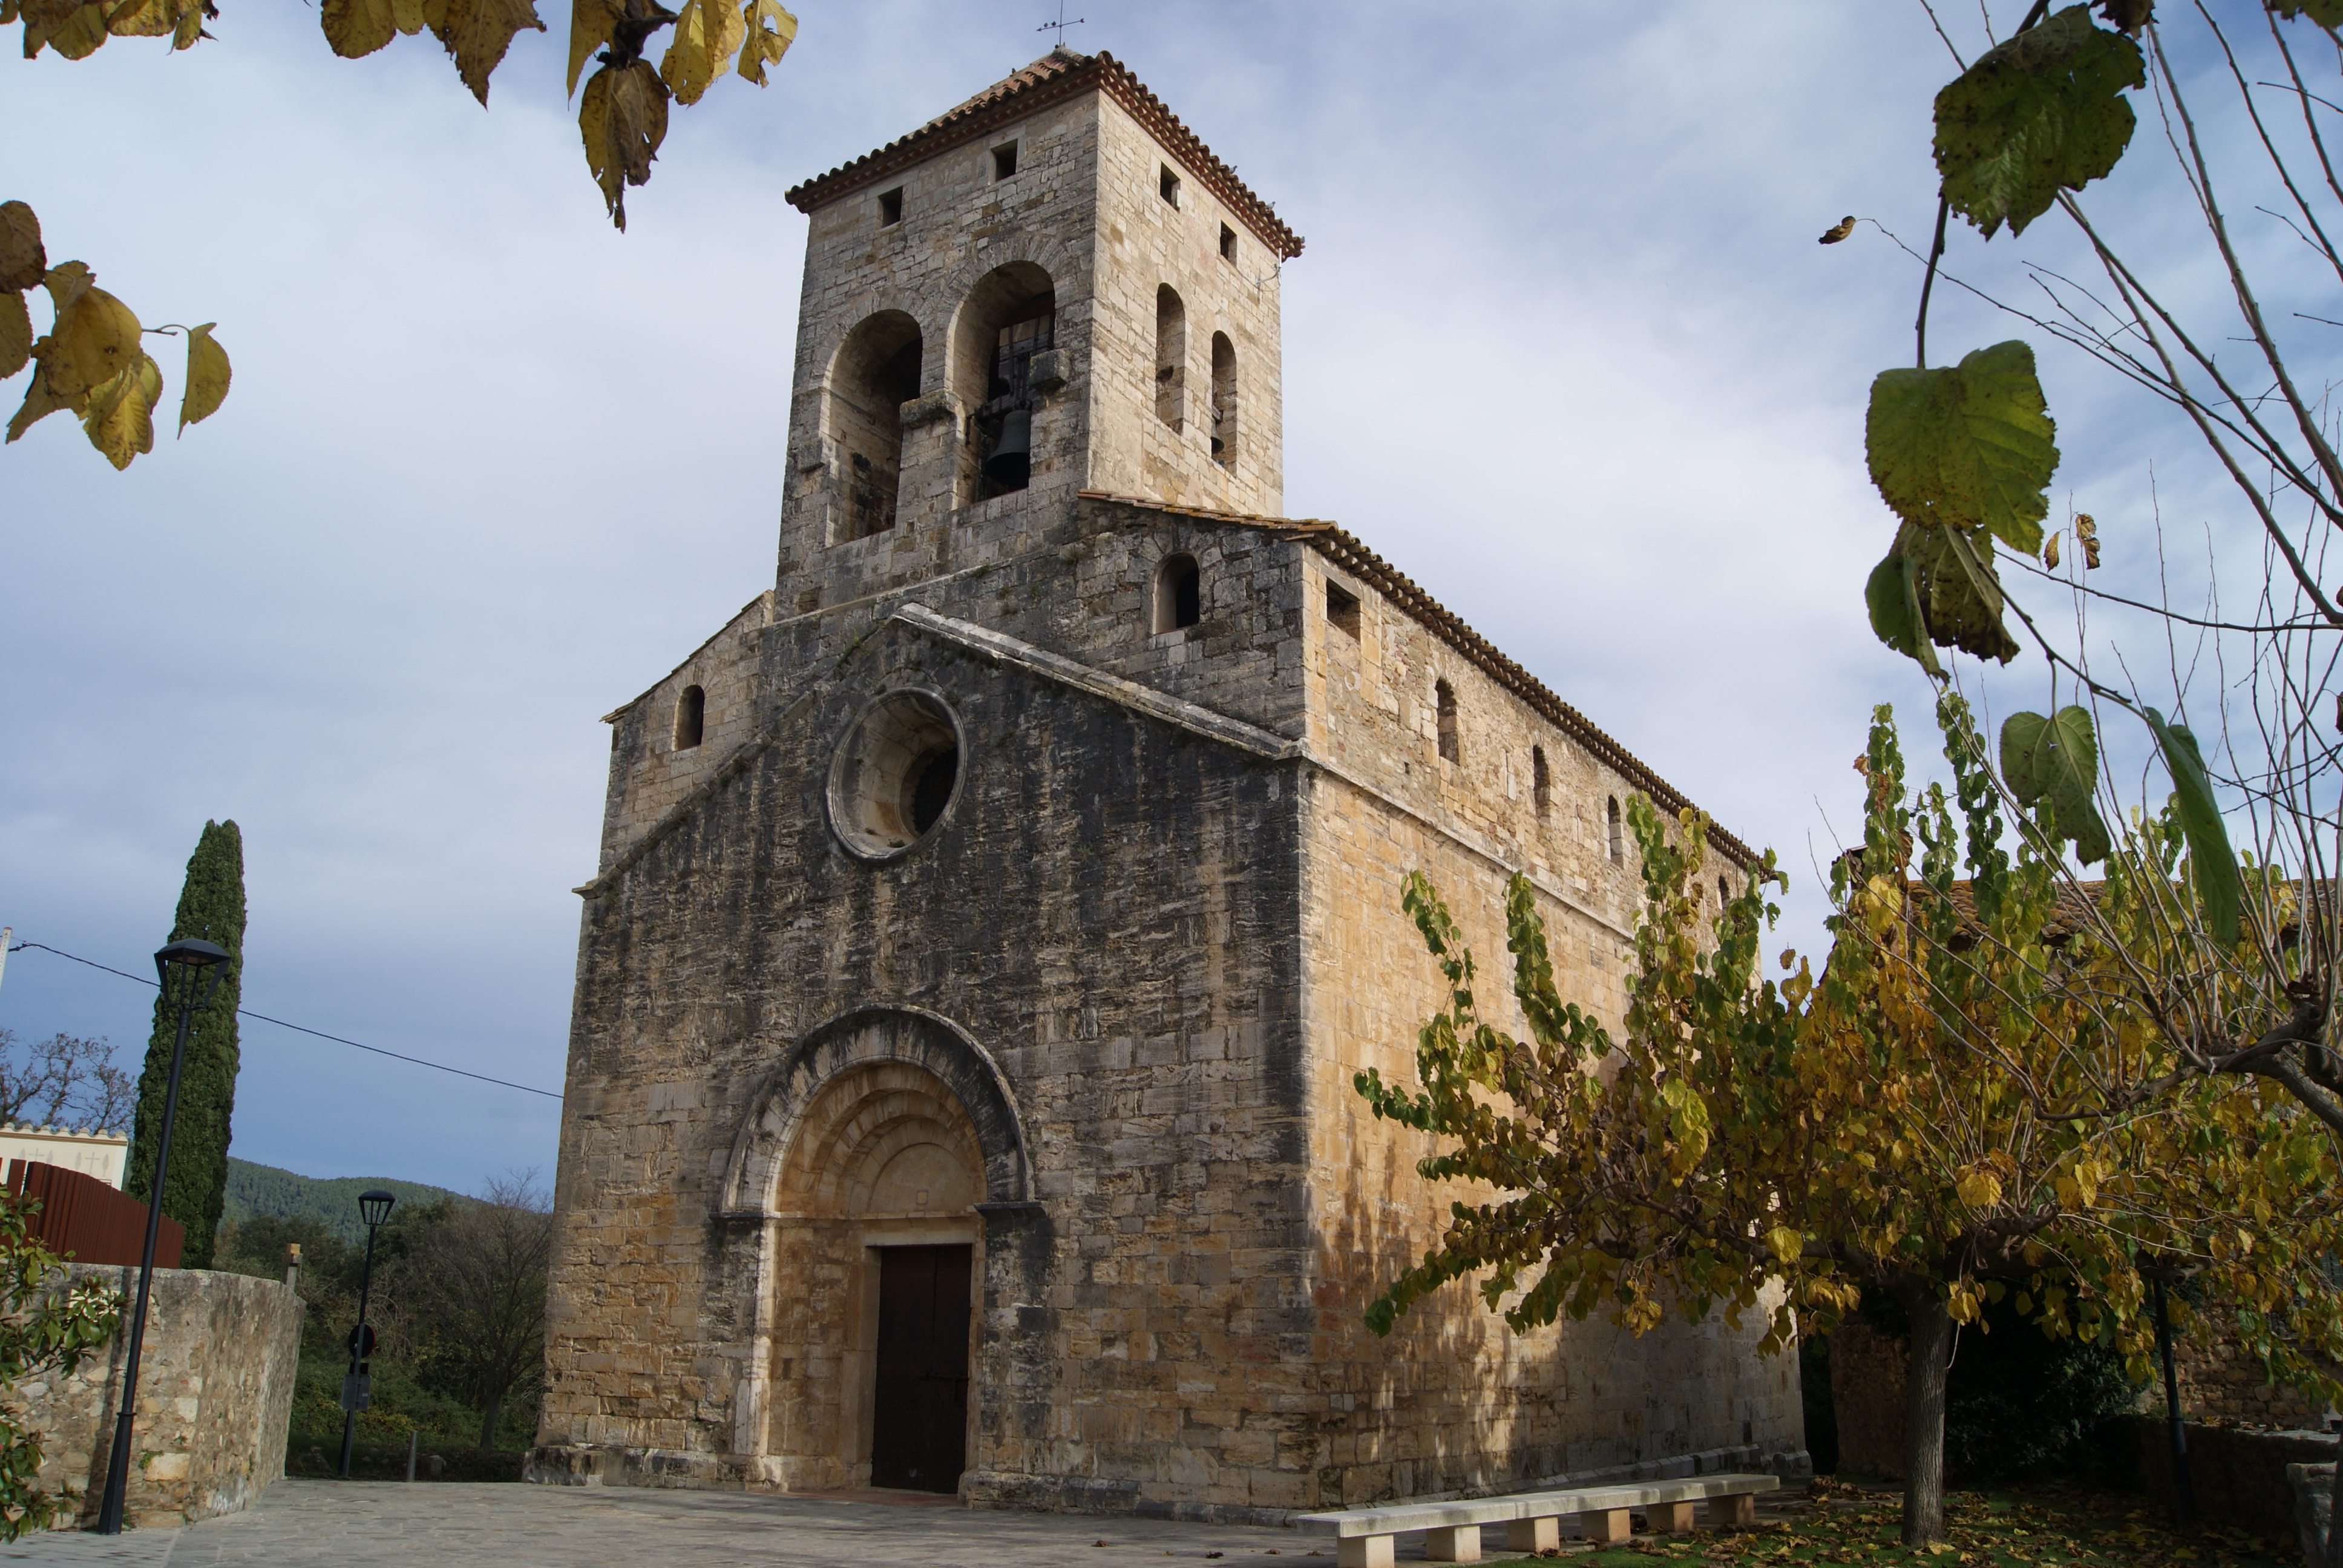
(74,28)
(1979,1188)
(622,118)
(16,333)
(207,377)
(707,32)
(590,23)
(95,334)
(356,28)
(38,404)
(143,18)
(772,31)
(23,261)
(478,32)
(120,416)
(1784,1242)
(411,16)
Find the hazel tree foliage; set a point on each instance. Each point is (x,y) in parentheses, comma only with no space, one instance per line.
(48,1326)
(1967,1104)
(91,362)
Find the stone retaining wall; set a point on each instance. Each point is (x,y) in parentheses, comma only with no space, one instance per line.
(215,1397)
(2239,1477)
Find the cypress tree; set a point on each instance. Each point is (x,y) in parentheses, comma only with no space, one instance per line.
(195,1189)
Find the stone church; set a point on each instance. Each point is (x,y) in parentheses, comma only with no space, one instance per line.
(991,918)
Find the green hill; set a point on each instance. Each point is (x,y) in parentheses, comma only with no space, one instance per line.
(333,1200)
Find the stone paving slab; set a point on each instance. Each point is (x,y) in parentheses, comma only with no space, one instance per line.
(391,1525)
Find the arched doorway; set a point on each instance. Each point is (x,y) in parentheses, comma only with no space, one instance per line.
(867,1157)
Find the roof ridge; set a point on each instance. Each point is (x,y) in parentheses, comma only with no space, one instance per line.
(1338,543)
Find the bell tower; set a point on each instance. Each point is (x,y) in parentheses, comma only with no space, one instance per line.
(1053,287)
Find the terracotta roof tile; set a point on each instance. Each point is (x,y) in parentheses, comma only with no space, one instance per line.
(1061,74)
(1345,550)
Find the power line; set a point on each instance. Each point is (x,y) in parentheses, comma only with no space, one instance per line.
(298,1029)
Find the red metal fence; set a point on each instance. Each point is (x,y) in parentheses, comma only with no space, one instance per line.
(82,1216)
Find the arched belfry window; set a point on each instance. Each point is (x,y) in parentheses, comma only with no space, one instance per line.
(1224,399)
(1445,696)
(1541,782)
(690,718)
(1170,358)
(1179,594)
(877,371)
(1009,319)
(1617,832)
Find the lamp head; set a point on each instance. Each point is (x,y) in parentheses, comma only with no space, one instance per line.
(373,1205)
(191,970)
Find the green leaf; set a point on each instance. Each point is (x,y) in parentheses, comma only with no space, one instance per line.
(1893,595)
(2210,859)
(1965,447)
(2057,760)
(1958,592)
(2328,13)
(2044,111)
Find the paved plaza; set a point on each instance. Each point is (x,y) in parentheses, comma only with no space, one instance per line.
(363,1524)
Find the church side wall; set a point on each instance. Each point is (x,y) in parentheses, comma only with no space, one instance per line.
(1453,1401)
(650,773)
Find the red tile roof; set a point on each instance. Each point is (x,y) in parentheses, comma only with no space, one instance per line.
(1345,550)
(1059,75)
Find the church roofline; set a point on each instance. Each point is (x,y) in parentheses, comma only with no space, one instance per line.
(1345,549)
(1061,74)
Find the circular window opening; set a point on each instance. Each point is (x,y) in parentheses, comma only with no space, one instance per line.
(894,774)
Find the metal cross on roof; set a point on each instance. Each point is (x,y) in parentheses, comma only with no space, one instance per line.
(1061,25)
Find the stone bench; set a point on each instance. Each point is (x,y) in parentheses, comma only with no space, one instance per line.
(1533,1520)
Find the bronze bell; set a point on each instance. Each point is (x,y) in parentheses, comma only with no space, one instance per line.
(1011,458)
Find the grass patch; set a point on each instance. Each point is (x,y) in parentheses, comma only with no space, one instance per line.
(2032,1528)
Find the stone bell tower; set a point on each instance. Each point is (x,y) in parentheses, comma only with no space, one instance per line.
(1054,287)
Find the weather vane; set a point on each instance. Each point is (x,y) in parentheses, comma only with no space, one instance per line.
(1061,25)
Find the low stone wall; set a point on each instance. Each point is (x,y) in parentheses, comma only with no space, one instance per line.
(215,1397)
(2239,1477)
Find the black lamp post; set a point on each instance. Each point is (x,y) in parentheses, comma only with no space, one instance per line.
(190,972)
(374,1208)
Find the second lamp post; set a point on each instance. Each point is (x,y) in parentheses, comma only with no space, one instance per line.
(374,1208)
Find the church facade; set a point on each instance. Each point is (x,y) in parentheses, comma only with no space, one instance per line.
(991,917)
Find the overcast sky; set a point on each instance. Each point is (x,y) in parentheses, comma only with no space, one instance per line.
(1561,347)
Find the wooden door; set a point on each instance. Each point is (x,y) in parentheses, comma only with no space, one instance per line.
(919,1429)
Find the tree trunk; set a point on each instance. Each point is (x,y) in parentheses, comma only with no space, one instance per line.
(496,1408)
(1924,1418)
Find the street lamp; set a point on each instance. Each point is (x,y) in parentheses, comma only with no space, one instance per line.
(374,1208)
(190,972)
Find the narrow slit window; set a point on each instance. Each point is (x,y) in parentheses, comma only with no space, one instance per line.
(1618,836)
(690,718)
(890,208)
(1170,358)
(1445,695)
(1228,243)
(1541,783)
(1167,184)
(1179,595)
(1224,400)
(1004,161)
(1342,609)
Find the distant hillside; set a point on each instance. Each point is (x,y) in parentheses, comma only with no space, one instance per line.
(332,1201)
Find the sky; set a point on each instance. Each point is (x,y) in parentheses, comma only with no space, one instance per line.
(1561,347)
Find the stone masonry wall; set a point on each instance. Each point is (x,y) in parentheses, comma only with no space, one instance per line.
(215,1395)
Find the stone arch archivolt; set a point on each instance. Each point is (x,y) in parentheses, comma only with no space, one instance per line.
(787,1110)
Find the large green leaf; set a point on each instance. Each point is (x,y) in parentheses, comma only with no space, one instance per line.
(2210,859)
(1966,446)
(2044,111)
(2055,760)
(1893,594)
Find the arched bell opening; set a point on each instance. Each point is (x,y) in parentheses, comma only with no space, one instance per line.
(1009,318)
(876,372)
